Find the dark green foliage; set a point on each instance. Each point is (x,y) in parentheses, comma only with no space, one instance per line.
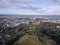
(50,30)
(45,32)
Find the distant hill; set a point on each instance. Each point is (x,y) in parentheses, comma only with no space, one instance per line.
(31,16)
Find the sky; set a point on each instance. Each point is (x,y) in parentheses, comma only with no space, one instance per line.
(30,7)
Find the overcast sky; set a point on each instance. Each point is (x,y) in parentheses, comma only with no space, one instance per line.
(30,7)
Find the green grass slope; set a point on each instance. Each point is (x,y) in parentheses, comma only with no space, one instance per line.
(29,40)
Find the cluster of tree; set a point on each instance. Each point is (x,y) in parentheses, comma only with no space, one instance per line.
(50,30)
(16,32)
(42,31)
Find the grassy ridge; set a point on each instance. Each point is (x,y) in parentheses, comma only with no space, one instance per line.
(29,40)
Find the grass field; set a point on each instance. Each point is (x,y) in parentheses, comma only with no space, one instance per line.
(29,40)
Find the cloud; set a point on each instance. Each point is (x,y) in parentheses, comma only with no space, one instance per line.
(22,4)
(24,1)
(28,9)
(56,1)
(13,2)
(17,11)
(53,10)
